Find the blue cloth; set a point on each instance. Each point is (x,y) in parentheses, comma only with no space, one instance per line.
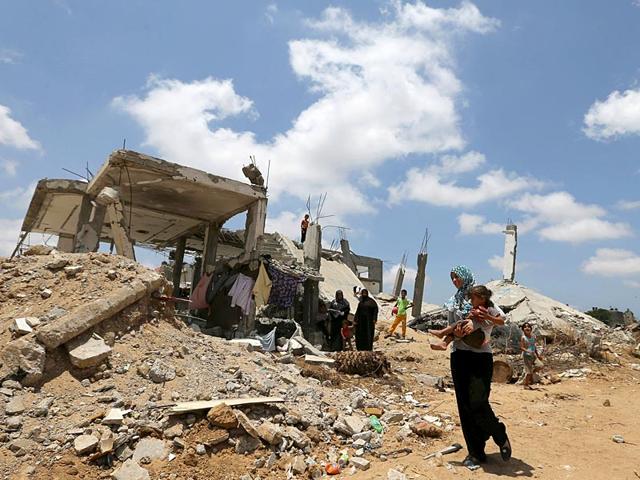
(459,302)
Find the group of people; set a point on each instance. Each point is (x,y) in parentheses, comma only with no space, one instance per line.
(341,329)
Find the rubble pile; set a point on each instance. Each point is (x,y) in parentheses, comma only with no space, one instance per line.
(100,380)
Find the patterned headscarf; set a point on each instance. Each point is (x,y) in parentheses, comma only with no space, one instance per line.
(460,300)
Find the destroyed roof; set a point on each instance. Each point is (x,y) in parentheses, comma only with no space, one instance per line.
(162,200)
(522,304)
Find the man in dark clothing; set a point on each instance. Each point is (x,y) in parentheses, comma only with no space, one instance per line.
(338,313)
(365,320)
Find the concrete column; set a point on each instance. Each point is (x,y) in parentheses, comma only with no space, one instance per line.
(111,199)
(313,246)
(347,258)
(210,247)
(510,247)
(397,284)
(89,228)
(254,226)
(66,243)
(177,266)
(418,288)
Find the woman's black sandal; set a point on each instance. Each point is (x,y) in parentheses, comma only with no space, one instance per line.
(505,450)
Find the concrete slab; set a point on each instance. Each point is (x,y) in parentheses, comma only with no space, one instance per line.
(88,352)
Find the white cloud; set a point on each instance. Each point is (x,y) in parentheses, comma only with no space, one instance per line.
(632,283)
(8,56)
(389,278)
(564,219)
(9,232)
(628,205)
(17,198)
(385,90)
(496,262)
(611,262)
(474,224)
(13,134)
(286,223)
(9,167)
(618,115)
(270,13)
(437,185)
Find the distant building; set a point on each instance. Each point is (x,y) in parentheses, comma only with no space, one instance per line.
(612,316)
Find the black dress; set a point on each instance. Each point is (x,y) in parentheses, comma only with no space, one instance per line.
(365,318)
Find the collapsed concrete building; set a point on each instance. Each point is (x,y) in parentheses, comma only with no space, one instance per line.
(136,200)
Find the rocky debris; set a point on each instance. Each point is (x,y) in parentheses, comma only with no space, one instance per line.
(150,448)
(21,447)
(15,406)
(22,326)
(270,433)
(360,463)
(86,352)
(72,270)
(130,470)
(394,474)
(161,372)
(176,430)
(114,416)
(42,408)
(247,444)
(298,465)
(349,425)
(393,417)
(618,438)
(246,424)
(85,444)
(426,429)
(23,355)
(57,263)
(13,424)
(222,416)
(46,293)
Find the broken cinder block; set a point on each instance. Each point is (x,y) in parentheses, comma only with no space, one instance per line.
(88,352)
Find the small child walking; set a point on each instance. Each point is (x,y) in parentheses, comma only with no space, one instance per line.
(347,333)
(529,353)
(484,315)
(401,306)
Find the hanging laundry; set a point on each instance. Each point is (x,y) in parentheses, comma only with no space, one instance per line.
(262,288)
(283,287)
(241,293)
(199,294)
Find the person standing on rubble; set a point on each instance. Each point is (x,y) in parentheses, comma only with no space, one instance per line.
(304,226)
(365,321)
(338,313)
(471,370)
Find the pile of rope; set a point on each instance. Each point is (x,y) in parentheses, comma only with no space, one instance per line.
(362,363)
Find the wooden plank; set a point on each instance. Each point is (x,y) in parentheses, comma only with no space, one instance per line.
(186,407)
(316,360)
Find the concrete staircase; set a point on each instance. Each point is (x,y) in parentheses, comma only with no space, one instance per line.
(273,244)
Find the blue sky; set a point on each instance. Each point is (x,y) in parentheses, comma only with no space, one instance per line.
(448,115)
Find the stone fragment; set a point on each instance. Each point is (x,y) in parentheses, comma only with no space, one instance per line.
(179,443)
(85,444)
(72,270)
(152,448)
(618,438)
(46,293)
(87,352)
(299,466)
(299,439)
(360,443)
(270,433)
(392,417)
(222,416)
(393,474)
(214,436)
(376,411)
(42,408)
(23,355)
(360,463)
(430,380)
(349,425)
(21,326)
(247,444)
(245,423)
(13,424)
(130,470)
(112,274)
(7,392)
(57,263)
(426,429)
(114,416)
(160,372)
(12,384)
(201,449)
(175,431)
(366,436)
(15,406)
(21,447)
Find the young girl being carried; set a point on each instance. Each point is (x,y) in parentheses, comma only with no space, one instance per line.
(529,353)
(483,312)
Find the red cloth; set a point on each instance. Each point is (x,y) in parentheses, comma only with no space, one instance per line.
(199,294)
(346,332)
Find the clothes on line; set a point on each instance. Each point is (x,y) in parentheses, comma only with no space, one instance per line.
(283,287)
(262,287)
(199,294)
(242,292)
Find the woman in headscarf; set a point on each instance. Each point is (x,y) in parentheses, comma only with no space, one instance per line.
(471,370)
(338,313)
(365,321)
